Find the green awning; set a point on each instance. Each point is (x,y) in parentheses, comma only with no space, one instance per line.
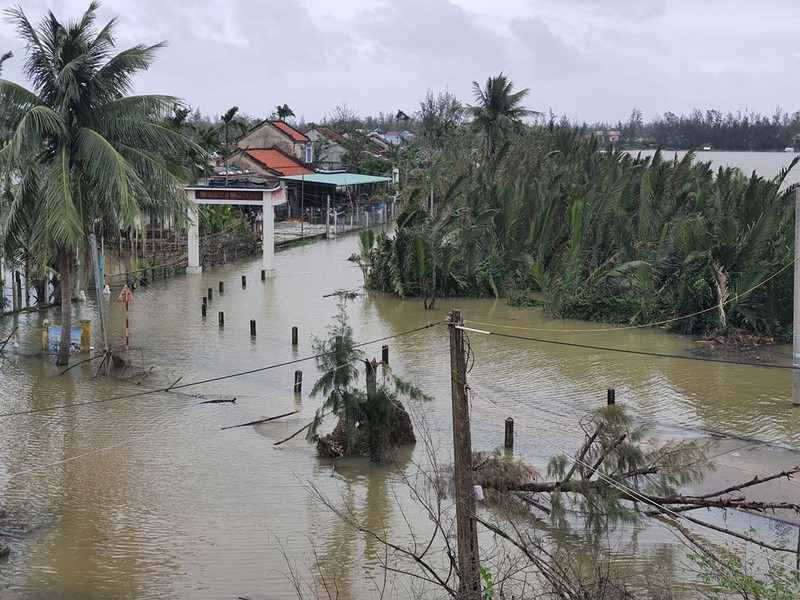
(337,179)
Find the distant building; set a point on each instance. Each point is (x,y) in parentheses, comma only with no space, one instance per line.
(610,136)
(327,147)
(268,162)
(277,135)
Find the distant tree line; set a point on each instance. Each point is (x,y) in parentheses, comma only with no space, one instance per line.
(744,130)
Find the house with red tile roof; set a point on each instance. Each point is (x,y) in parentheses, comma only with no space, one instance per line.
(277,135)
(268,162)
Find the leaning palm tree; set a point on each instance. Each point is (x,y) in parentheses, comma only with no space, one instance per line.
(498,108)
(80,150)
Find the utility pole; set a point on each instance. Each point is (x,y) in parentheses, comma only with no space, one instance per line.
(796,317)
(466,528)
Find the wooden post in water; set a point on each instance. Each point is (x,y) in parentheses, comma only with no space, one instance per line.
(210,293)
(294,336)
(263,275)
(298,382)
(328,219)
(221,287)
(385,354)
(253,327)
(611,396)
(244,281)
(509,441)
(205,301)
(221,319)
(204,309)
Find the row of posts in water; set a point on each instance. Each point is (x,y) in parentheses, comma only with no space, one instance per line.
(611,399)
(298,375)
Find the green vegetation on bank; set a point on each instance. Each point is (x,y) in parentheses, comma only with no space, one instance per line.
(550,217)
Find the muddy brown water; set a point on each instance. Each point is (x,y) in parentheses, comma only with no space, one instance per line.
(146,495)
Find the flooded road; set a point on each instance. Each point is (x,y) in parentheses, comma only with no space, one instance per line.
(130,494)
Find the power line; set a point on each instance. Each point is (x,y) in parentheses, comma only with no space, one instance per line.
(619,485)
(210,380)
(644,325)
(149,434)
(627,351)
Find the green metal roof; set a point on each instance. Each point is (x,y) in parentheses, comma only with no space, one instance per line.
(337,179)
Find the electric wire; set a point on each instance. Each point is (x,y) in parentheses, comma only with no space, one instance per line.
(152,433)
(644,325)
(637,352)
(617,485)
(209,380)
(621,486)
(687,426)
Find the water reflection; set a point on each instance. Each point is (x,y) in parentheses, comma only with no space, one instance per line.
(148,496)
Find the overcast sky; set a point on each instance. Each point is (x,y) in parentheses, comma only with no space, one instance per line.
(592,60)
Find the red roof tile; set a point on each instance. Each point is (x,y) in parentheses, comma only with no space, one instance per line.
(278,161)
(290,131)
(330,134)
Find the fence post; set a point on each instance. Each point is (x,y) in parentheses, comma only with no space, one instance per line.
(298,382)
(509,441)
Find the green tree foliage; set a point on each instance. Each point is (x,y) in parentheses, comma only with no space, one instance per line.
(498,109)
(4,58)
(369,420)
(740,131)
(730,575)
(439,117)
(598,235)
(222,219)
(231,125)
(283,112)
(81,150)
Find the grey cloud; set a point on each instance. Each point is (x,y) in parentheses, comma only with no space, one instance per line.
(590,59)
(430,34)
(546,53)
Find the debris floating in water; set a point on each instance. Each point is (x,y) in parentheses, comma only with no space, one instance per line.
(346,294)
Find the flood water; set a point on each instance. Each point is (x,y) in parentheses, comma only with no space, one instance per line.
(765,164)
(143,495)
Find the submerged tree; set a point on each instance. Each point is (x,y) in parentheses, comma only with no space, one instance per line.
(370,420)
(81,150)
(547,535)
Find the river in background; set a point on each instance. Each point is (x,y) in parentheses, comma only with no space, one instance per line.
(142,494)
(766,164)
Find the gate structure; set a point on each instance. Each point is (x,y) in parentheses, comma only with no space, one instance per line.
(264,198)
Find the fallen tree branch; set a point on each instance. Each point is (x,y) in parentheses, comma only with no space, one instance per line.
(13,331)
(294,412)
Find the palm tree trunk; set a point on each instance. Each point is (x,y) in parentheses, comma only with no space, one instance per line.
(723,293)
(65,272)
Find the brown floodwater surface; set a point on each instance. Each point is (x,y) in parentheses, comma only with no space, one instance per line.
(146,496)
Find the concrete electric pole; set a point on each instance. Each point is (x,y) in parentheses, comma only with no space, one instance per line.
(466,527)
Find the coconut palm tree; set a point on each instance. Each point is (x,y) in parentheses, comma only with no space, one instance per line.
(498,108)
(4,58)
(81,149)
(283,112)
(230,120)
